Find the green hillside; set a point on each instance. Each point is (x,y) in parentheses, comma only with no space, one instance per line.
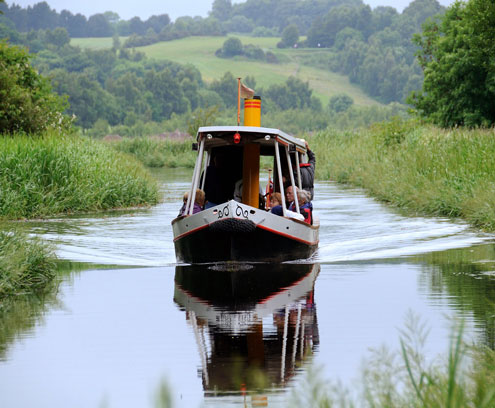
(200,51)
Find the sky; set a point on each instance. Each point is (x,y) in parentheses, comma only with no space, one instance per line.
(174,8)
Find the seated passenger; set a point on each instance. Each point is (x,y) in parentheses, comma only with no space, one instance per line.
(305,205)
(199,202)
(276,204)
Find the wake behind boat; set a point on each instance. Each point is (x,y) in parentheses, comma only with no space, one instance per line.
(242,229)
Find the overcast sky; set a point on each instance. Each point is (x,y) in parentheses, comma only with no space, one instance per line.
(174,8)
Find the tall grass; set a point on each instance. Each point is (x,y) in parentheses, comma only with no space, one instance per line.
(154,152)
(417,167)
(26,265)
(462,378)
(47,175)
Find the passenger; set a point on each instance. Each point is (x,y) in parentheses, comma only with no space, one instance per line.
(289,196)
(199,202)
(277,209)
(308,172)
(305,205)
(276,204)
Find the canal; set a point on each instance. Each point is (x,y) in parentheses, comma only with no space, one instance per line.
(125,320)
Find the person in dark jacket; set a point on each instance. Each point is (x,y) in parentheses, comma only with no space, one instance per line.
(308,172)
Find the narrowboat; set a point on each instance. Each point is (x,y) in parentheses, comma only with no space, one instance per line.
(237,225)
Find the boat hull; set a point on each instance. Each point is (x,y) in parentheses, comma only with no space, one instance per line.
(237,232)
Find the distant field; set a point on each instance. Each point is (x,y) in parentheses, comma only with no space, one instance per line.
(200,52)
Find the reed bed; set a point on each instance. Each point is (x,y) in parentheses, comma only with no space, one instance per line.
(27,266)
(154,152)
(47,175)
(420,168)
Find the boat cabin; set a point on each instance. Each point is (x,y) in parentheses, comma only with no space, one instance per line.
(229,154)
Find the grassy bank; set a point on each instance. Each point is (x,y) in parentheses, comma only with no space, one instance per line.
(26,265)
(420,168)
(154,152)
(48,175)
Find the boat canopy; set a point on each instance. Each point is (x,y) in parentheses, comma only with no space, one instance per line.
(216,136)
(254,141)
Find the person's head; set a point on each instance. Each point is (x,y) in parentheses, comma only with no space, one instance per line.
(200,197)
(303,197)
(289,193)
(275,199)
(184,198)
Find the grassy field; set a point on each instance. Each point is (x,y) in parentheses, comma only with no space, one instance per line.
(200,52)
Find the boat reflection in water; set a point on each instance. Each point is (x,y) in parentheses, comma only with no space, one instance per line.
(254,324)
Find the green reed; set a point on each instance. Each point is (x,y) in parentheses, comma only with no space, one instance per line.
(49,174)
(26,265)
(420,168)
(462,378)
(154,152)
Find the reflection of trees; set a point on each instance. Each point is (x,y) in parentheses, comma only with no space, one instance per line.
(467,276)
(262,335)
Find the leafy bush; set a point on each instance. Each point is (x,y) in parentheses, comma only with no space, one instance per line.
(340,103)
(28,104)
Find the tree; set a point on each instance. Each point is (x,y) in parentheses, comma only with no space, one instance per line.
(290,36)
(221,9)
(58,37)
(98,26)
(28,104)
(232,46)
(294,94)
(457,55)
(340,103)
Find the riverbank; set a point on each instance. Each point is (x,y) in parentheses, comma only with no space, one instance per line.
(50,175)
(416,167)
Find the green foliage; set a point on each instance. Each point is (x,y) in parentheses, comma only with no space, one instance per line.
(28,105)
(340,103)
(26,265)
(373,47)
(457,56)
(51,175)
(290,36)
(156,152)
(294,94)
(416,167)
(232,46)
(323,32)
(202,117)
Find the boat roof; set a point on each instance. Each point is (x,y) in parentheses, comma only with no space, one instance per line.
(220,134)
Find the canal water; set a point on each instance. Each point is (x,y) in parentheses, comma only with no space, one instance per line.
(126,323)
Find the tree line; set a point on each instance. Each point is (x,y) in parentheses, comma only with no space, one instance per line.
(372,47)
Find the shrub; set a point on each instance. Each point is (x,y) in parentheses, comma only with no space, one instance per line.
(28,104)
